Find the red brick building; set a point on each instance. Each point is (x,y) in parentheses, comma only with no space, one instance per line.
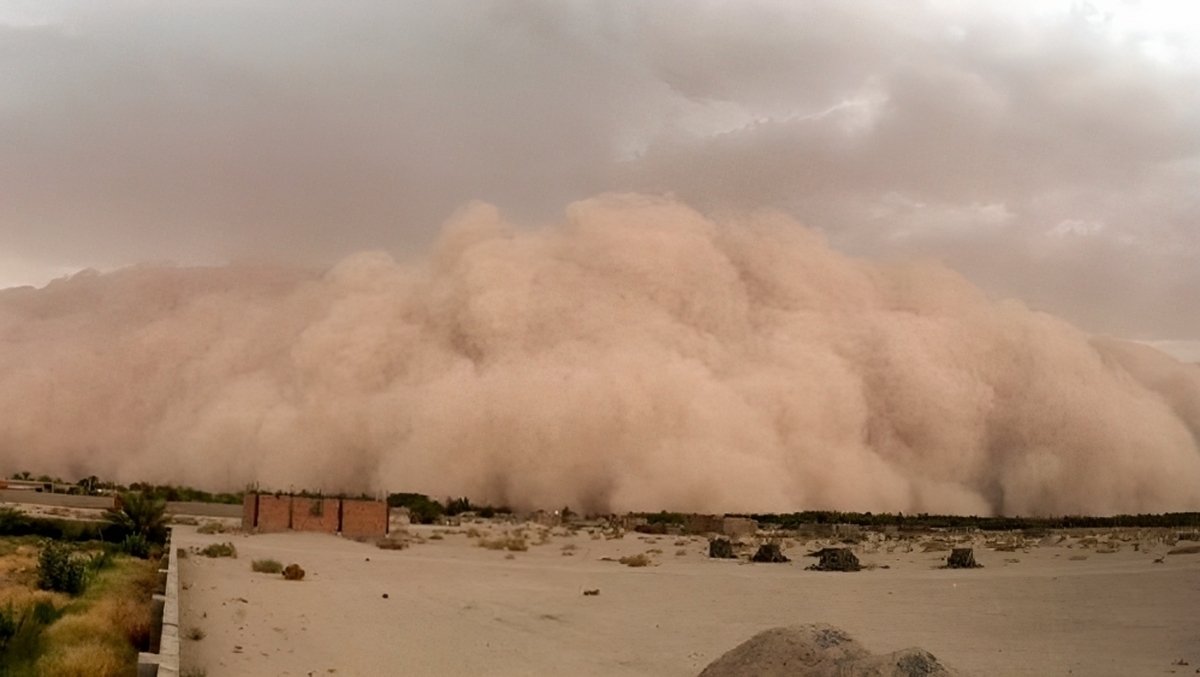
(354,518)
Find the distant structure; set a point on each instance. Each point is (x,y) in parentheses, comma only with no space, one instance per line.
(733,527)
(350,517)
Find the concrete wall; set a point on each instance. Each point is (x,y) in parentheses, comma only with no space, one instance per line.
(315,514)
(274,513)
(197,509)
(738,526)
(364,518)
(58,500)
(163,658)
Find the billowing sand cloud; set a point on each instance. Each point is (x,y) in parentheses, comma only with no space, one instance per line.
(639,356)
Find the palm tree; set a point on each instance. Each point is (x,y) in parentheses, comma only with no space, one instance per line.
(139,514)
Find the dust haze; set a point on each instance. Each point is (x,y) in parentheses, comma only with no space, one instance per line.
(636,355)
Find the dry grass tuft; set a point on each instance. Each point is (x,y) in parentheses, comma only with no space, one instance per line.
(391,544)
(641,560)
(293,572)
(92,659)
(212,528)
(266,566)
(131,617)
(220,550)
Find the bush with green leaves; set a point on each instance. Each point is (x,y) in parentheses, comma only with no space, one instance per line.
(140,514)
(60,570)
(136,545)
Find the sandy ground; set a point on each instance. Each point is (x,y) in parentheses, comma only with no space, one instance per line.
(454,608)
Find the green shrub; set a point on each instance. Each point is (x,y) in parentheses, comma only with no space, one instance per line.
(60,570)
(421,508)
(266,566)
(137,513)
(136,545)
(9,624)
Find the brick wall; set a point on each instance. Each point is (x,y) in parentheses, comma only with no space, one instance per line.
(354,518)
(315,514)
(274,513)
(364,518)
(249,511)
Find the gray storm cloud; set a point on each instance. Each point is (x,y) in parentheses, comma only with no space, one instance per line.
(638,355)
(1025,144)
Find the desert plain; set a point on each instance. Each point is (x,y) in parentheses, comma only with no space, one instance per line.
(1091,603)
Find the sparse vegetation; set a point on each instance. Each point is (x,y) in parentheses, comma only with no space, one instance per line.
(211,528)
(391,544)
(293,572)
(512,543)
(60,569)
(137,514)
(219,550)
(266,566)
(639,560)
(98,632)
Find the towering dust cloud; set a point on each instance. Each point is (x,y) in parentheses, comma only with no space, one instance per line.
(639,356)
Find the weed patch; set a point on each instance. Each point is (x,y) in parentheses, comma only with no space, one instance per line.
(266,566)
(219,550)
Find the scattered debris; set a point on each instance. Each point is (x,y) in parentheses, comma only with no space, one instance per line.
(591,593)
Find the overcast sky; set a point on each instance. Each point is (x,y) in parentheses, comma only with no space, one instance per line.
(1047,150)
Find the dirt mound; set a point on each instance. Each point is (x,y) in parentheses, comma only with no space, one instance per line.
(819,650)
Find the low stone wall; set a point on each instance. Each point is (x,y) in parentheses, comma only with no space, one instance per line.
(163,658)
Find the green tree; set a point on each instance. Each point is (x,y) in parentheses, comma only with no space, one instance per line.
(138,514)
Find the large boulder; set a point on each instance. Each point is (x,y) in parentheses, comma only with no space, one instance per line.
(770,553)
(721,548)
(819,650)
(835,559)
